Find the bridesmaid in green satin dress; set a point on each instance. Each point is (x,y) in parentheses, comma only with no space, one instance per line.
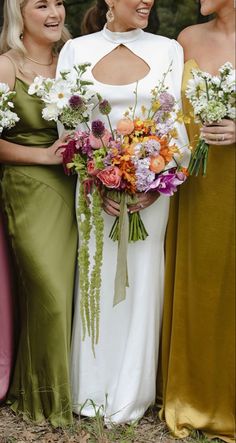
(38,200)
(198,340)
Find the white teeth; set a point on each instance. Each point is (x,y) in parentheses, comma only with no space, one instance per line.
(143,11)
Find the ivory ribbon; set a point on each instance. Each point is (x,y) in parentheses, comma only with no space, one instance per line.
(121,278)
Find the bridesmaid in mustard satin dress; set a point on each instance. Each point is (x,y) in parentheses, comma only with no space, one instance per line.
(38,200)
(198,344)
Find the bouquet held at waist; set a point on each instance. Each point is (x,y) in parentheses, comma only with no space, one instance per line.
(67,98)
(213,99)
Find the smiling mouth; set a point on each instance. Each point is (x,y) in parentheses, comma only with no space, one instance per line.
(52,25)
(144,12)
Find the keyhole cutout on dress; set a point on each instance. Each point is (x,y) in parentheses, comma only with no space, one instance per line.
(120,67)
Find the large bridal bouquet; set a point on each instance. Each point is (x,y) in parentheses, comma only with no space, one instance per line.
(66,98)
(138,155)
(8,118)
(212,98)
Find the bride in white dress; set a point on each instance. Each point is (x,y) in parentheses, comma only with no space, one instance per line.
(120,380)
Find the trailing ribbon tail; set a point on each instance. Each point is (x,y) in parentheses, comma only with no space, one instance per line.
(121,278)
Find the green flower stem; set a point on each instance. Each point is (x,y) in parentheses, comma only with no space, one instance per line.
(136,99)
(110,126)
(199,159)
(114,230)
(205,159)
(137,230)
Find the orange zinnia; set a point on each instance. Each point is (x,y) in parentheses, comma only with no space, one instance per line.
(127,170)
(165,151)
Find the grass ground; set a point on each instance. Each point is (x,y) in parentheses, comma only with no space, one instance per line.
(149,430)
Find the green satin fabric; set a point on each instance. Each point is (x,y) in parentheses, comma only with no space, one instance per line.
(31,126)
(198,339)
(39,204)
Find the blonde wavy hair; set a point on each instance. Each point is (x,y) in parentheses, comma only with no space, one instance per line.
(13,27)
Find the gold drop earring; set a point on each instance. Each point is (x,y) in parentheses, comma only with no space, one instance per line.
(109,15)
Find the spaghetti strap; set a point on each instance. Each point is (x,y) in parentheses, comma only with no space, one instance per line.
(12,62)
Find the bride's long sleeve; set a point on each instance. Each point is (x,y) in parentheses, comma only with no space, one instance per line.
(177,58)
(66,58)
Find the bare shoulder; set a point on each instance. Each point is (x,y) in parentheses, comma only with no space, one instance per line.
(192,33)
(192,38)
(7,69)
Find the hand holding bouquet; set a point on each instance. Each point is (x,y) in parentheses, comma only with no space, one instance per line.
(8,118)
(213,99)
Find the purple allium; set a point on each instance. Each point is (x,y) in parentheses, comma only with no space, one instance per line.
(105,107)
(167,101)
(98,128)
(76,102)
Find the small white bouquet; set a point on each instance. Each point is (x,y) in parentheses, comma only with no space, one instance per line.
(67,98)
(8,118)
(212,98)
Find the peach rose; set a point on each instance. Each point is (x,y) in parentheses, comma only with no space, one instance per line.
(96,143)
(110,177)
(157,164)
(125,126)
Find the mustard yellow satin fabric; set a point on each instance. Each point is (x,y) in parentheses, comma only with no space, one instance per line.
(198,340)
(39,205)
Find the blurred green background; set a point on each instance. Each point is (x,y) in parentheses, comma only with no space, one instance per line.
(168,17)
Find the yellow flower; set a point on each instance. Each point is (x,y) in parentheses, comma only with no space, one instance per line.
(156,105)
(135,139)
(138,123)
(180,117)
(174,133)
(187,119)
(70,165)
(144,110)
(174,149)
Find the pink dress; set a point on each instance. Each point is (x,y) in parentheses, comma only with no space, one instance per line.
(6,315)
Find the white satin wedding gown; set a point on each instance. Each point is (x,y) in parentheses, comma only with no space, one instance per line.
(121,379)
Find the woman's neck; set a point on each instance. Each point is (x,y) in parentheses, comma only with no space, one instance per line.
(41,53)
(225,21)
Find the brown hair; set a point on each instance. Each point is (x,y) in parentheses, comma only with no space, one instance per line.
(95,18)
